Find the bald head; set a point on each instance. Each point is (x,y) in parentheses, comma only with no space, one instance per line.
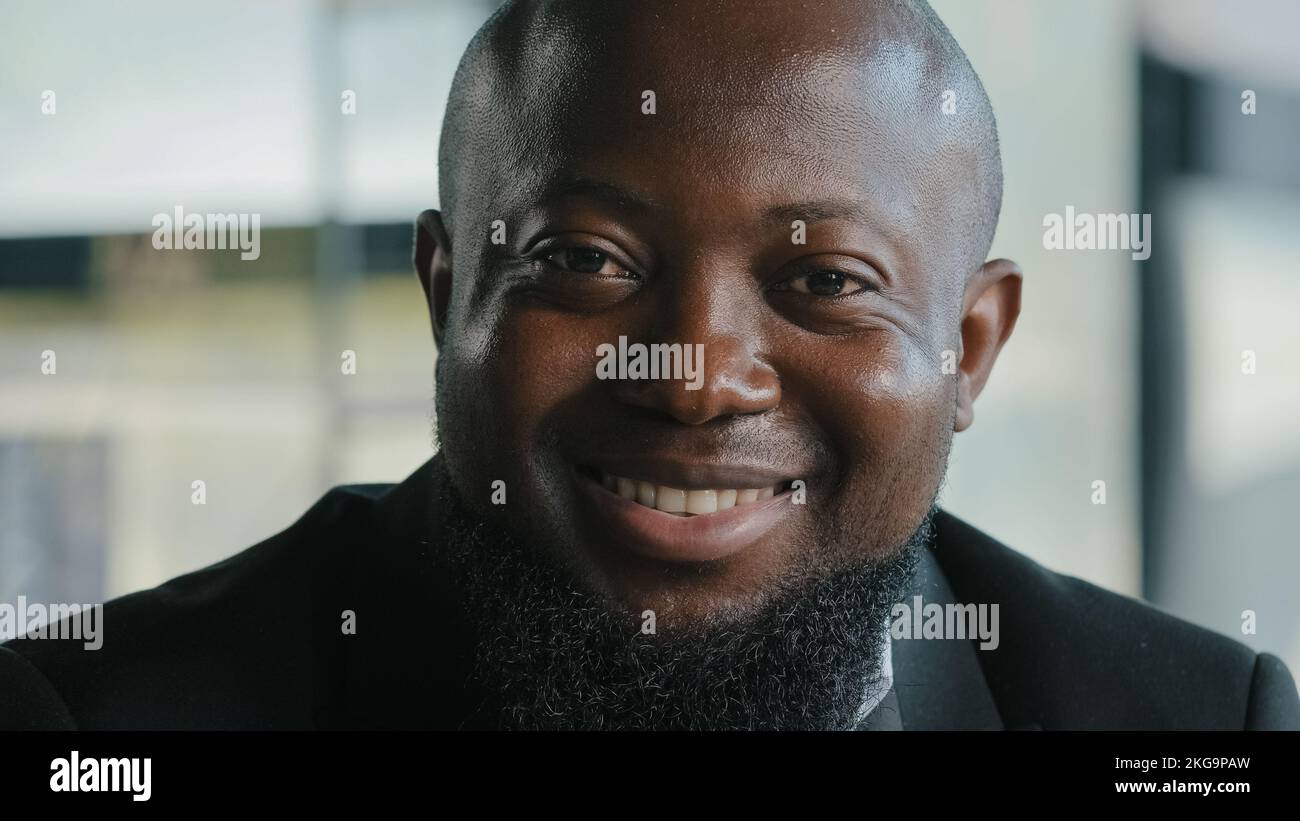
(537,62)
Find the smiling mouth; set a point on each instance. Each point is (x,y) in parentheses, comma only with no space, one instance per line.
(694,519)
(683,502)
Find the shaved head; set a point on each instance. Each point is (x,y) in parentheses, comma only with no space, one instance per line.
(533,59)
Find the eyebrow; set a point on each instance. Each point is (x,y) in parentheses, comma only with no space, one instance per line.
(809,211)
(599,190)
(815,211)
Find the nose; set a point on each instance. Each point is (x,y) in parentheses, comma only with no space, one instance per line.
(717,328)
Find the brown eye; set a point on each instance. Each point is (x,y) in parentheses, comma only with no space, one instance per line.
(825,283)
(584,261)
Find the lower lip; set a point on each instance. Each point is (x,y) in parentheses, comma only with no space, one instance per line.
(703,538)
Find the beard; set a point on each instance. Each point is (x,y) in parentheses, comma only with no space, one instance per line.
(556,656)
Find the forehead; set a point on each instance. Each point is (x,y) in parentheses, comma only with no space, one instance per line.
(727,121)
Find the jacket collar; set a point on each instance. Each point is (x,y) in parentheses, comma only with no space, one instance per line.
(939,683)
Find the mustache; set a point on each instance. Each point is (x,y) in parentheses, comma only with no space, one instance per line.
(760,440)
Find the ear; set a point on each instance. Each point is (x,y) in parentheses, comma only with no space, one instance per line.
(989,311)
(433,267)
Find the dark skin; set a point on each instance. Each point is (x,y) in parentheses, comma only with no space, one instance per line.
(823,360)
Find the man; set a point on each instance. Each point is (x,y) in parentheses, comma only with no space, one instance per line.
(699,270)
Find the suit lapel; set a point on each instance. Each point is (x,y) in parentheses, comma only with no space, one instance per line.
(939,682)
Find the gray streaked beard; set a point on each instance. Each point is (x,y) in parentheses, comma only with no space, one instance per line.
(557,657)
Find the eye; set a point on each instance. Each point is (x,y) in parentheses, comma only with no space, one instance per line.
(827,283)
(584,260)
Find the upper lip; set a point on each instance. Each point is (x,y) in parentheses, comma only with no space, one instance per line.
(693,474)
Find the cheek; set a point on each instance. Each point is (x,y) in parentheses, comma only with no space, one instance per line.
(879,399)
(507,384)
(888,415)
(542,361)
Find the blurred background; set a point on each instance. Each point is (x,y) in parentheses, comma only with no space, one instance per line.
(176,368)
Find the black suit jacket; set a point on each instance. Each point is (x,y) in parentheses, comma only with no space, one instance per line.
(256,642)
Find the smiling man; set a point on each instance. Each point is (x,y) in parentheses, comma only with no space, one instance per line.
(781,188)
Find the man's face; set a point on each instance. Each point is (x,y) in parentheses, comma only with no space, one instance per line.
(823,345)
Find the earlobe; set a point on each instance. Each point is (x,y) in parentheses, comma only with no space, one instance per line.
(433,267)
(989,311)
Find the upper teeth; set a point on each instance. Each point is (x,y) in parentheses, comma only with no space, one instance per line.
(675,500)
